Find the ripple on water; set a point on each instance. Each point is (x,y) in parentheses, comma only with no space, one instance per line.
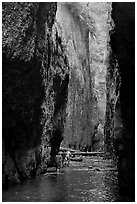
(78,184)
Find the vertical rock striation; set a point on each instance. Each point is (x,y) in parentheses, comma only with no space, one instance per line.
(84,28)
(54,79)
(26,57)
(67,80)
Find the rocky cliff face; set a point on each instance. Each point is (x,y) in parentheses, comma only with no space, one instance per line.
(84,28)
(123,46)
(120,107)
(65,82)
(50,81)
(26,58)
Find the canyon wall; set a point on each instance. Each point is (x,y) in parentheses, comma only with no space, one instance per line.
(52,89)
(26,58)
(123,46)
(85,30)
(68,79)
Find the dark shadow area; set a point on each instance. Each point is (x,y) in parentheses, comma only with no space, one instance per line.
(21,110)
(25,61)
(123,46)
(61,94)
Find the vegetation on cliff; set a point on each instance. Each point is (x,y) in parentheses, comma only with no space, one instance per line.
(65,78)
(44,76)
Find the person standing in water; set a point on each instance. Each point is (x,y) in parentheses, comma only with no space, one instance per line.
(59,161)
(68,157)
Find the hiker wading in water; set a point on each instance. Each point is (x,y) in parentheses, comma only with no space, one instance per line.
(59,161)
(67,158)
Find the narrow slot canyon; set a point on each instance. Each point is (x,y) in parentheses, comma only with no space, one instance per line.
(68,83)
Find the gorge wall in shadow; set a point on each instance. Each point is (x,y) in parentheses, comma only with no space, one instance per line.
(68,78)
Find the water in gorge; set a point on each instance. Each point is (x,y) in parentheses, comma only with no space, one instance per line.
(76,183)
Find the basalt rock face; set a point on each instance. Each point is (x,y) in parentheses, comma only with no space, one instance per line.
(54,82)
(122,109)
(26,62)
(84,28)
(54,79)
(65,80)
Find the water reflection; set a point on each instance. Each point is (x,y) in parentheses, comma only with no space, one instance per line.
(44,188)
(72,184)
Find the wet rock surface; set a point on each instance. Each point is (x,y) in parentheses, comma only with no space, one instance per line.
(47,83)
(67,78)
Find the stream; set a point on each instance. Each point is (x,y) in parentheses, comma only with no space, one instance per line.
(76,183)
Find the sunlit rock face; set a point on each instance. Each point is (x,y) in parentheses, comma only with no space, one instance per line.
(54,82)
(84,28)
(66,82)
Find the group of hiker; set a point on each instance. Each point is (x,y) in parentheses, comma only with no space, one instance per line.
(62,159)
